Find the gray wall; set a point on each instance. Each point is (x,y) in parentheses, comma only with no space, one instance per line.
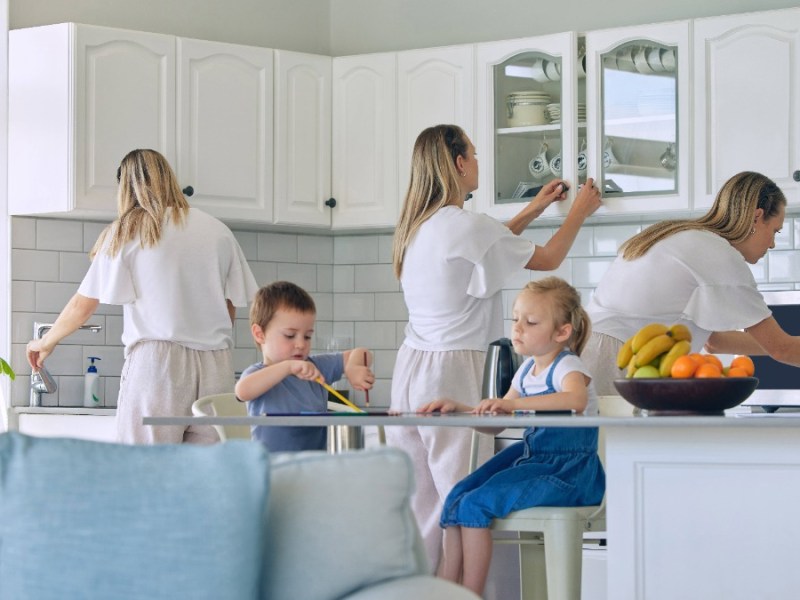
(301,25)
(341,27)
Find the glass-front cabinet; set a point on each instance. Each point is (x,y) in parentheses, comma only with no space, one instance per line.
(638,115)
(531,116)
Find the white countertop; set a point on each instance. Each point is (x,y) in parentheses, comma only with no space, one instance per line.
(64,410)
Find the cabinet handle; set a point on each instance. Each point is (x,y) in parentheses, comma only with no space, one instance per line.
(330,202)
(796,175)
(188,190)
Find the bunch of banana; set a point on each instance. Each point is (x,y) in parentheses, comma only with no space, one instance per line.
(655,346)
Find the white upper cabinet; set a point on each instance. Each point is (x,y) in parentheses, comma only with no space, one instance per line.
(80,98)
(225,125)
(747,100)
(435,86)
(530,111)
(638,117)
(365,141)
(302,139)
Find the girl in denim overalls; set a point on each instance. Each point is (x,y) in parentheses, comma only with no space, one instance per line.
(551,466)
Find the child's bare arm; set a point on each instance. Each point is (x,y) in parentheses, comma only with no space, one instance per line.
(259,382)
(356,368)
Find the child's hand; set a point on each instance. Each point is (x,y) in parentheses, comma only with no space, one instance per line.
(493,406)
(443,405)
(360,377)
(304,369)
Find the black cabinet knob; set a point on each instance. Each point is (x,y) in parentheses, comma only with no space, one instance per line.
(796,175)
(330,202)
(188,190)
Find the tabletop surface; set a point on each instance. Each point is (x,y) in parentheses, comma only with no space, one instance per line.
(739,419)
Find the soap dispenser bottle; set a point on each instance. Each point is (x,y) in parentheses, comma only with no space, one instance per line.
(91,386)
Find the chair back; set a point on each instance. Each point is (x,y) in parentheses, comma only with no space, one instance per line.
(223,405)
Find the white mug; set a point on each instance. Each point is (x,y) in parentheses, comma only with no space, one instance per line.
(555,165)
(539,165)
(609,160)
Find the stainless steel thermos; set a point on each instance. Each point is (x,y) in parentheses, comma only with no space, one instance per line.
(498,370)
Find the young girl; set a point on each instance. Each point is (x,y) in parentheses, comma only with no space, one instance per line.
(551,466)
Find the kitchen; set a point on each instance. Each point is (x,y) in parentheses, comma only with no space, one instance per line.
(349,273)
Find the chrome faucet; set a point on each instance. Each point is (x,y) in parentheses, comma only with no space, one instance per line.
(41,381)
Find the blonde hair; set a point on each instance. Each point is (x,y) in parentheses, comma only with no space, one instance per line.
(730,217)
(434,183)
(147,195)
(565,308)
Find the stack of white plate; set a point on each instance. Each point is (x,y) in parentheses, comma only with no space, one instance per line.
(554,112)
(527,108)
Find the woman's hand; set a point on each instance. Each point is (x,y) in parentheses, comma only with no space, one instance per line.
(587,200)
(552,191)
(37,351)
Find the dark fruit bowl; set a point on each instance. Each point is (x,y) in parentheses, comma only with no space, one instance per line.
(705,396)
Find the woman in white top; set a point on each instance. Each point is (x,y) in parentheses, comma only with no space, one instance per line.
(696,272)
(452,265)
(178,274)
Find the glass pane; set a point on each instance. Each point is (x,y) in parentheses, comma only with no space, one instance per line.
(640,125)
(527,92)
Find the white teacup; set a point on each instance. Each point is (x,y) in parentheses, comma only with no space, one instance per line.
(640,60)
(539,165)
(553,70)
(555,165)
(609,159)
(654,59)
(538,70)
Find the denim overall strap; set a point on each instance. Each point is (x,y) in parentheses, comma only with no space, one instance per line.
(549,381)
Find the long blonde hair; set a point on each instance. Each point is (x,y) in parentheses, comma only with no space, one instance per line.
(434,183)
(148,195)
(565,302)
(730,217)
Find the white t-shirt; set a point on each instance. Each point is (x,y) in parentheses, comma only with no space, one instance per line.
(453,272)
(176,291)
(536,384)
(692,277)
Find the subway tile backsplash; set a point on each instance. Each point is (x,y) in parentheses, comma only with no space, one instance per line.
(349,276)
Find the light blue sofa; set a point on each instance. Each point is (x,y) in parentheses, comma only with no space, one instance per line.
(81,519)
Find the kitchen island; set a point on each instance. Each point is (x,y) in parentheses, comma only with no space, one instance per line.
(698,506)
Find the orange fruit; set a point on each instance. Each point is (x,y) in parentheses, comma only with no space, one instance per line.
(737,372)
(708,370)
(683,367)
(714,360)
(698,358)
(745,363)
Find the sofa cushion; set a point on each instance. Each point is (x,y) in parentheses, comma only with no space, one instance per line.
(84,519)
(339,523)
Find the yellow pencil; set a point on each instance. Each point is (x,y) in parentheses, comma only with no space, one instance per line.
(338,395)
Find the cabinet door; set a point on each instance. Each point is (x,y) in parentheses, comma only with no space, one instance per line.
(125,99)
(523,113)
(365,141)
(302,138)
(225,128)
(80,99)
(637,96)
(747,100)
(435,86)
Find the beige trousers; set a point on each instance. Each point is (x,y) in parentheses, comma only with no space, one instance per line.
(440,455)
(163,379)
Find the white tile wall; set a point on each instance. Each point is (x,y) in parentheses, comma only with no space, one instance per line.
(350,278)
